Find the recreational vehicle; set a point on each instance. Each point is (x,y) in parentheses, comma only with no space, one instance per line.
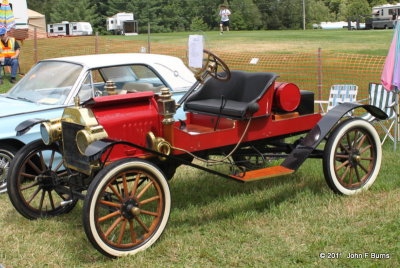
(69,28)
(384,16)
(122,23)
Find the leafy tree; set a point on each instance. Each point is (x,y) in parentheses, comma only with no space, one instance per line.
(113,7)
(269,10)
(65,10)
(358,8)
(334,7)
(373,3)
(291,14)
(198,24)
(316,12)
(148,12)
(245,15)
(42,6)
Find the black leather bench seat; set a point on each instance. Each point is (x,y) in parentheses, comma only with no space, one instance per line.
(236,98)
(213,106)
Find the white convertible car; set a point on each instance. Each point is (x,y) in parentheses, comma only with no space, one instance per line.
(52,85)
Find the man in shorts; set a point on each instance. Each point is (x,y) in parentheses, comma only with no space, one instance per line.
(224,12)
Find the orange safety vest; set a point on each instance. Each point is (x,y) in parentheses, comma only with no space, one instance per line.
(9,50)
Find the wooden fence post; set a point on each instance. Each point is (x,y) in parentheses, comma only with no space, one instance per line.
(320,85)
(35,46)
(148,38)
(96,43)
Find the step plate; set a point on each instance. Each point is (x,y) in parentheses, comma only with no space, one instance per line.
(264,173)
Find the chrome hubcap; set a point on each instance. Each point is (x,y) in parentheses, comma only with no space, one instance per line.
(4,165)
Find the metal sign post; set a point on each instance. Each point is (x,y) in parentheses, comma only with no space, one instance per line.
(396,124)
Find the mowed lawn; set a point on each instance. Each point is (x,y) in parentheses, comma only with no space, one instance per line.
(370,42)
(291,221)
(282,222)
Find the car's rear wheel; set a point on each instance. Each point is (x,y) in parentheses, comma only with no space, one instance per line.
(7,153)
(352,157)
(127,207)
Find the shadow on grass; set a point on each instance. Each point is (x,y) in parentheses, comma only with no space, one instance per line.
(69,226)
(208,189)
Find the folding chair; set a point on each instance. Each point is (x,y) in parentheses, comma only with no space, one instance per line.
(339,94)
(385,100)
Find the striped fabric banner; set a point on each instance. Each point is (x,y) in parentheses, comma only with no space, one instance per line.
(7,19)
(382,99)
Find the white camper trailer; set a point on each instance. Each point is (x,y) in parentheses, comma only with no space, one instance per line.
(69,28)
(384,16)
(122,23)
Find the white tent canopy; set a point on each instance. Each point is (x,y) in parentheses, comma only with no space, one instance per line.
(35,19)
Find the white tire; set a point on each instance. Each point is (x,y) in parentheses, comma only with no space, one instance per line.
(352,157)
(114,203)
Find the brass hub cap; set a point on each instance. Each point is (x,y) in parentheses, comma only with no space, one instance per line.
(130,209)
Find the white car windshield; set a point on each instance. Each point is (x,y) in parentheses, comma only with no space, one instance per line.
(47,83)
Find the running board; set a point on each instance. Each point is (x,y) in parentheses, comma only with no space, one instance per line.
(264,173)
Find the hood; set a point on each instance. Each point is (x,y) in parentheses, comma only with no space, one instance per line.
(11,107)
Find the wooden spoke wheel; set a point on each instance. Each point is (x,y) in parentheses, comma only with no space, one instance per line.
(352,157)
(35,174)
(127,207)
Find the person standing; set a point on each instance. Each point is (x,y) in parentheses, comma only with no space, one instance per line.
(224,12)
(9,52)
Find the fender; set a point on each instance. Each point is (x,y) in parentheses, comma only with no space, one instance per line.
(297,157)
(26,125)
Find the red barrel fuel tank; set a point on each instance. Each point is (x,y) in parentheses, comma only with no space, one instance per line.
(286,97)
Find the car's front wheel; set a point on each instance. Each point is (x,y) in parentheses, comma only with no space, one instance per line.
(127,207)
(36,177)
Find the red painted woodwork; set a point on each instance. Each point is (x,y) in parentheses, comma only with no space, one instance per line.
(260,128)
(128,118)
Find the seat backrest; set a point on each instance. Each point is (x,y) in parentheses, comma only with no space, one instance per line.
(342,93)
(243,87)
(137,87)
(381,98)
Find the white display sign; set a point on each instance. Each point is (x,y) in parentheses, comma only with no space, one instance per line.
(254,60)
(196,46)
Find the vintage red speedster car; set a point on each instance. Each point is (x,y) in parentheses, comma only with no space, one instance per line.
(118,152)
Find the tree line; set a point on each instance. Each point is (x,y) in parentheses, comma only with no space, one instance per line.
(195,15)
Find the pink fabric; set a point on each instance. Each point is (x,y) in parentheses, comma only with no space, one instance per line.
(396,70)
(388,68)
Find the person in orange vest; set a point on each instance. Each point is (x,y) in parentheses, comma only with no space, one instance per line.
(9,52)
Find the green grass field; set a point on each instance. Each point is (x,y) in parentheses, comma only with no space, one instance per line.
(283,222)
(371,42)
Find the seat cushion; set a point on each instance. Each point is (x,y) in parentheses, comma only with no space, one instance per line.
(231,108)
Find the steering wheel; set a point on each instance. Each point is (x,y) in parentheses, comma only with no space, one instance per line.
(213,66)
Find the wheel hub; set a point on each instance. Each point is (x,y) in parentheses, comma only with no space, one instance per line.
(355,157)
(47,180)
(4,163)
(130,209)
